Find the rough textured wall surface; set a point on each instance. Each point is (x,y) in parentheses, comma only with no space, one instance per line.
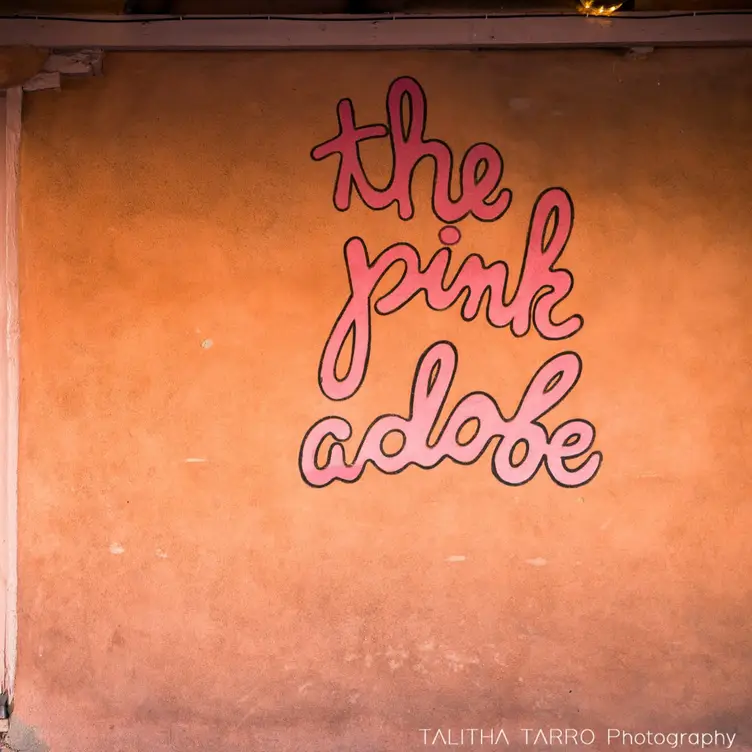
(182,266)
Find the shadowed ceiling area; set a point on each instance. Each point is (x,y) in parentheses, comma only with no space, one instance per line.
(254,7)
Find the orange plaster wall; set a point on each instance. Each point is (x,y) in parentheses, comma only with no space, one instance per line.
(225,605)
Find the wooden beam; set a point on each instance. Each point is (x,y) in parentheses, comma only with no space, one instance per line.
(379,32)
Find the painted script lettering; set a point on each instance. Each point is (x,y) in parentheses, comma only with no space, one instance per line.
(522,445)
(433,379)
(480,173)
(539,290)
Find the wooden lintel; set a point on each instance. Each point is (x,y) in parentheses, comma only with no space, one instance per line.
(452,31)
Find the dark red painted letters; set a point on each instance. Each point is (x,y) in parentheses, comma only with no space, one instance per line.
(481,169)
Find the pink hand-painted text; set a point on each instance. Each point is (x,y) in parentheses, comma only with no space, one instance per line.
(540,289)
(433,379)
(522,444)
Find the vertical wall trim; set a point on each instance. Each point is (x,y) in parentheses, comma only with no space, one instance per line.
(10,380)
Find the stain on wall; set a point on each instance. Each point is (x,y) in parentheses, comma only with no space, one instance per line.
(182,587)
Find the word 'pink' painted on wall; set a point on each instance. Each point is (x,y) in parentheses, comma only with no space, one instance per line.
(540,289)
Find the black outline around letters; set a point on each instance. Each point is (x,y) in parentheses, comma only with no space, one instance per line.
(381,130)
(496,192)
(463,293)
(482,452)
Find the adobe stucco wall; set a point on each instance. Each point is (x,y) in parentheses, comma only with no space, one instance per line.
(181,269)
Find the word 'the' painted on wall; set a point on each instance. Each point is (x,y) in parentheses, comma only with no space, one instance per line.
(522,443)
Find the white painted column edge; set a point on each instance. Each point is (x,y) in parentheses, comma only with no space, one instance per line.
(13,105)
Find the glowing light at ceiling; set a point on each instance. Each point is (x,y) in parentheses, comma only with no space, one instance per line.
(598,8)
